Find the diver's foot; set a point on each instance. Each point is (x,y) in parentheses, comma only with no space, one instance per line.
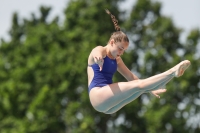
(180,68)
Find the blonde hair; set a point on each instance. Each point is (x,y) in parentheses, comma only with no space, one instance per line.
(118,35)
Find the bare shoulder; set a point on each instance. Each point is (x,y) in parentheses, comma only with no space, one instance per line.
(119,60)
(99,49)
(123,70)
(120,63)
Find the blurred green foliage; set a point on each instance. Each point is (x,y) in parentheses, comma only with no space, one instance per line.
(44,80)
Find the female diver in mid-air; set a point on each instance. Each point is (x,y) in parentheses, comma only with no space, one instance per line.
(103,62)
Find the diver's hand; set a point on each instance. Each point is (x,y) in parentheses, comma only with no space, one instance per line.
(99,60)
(159,91)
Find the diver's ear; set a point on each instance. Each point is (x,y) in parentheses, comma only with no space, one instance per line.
(112,42)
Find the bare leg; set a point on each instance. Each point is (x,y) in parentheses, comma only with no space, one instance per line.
(130,99)
(109,96)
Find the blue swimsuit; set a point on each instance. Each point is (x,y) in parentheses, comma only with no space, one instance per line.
(103,77)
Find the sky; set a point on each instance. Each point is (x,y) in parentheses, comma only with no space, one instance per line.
(184,13)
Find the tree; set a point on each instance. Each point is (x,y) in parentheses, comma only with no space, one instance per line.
(33,76)
(43,71)
(157,40)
